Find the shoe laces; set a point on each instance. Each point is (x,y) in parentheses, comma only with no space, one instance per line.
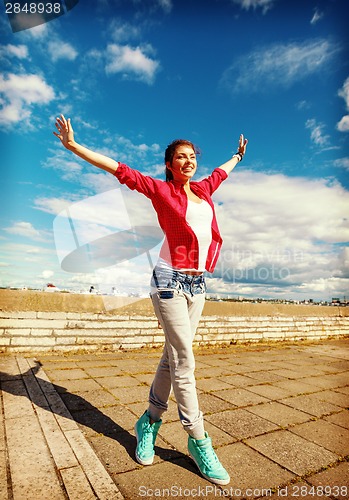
(147,436)
(209,457)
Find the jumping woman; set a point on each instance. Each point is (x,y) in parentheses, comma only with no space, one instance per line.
(191,246)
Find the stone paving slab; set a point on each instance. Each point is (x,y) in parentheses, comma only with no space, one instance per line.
(240,397)
(111,420)
(211,384)
(104,371)
(269,391)
(179,477)
(241,424)
(252,470)
(67,374)
(293,452)
(343,390)
(271,431)
(296,387)
(341,419)
(209,403)
(131,394)
(334,481)
(266,376)
(331,381)
(44,459)
(80,385)
(238,380)
(329,436)
(279,414)
(311,404)
(34,460)
(334,397)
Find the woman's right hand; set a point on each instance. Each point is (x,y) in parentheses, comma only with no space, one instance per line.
(65,131)
(66,135)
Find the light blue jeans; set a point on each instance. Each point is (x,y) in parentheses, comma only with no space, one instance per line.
(178,303)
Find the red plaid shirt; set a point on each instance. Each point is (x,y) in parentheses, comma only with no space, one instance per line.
(170,203)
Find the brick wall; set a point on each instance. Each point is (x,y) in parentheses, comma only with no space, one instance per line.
(57,331)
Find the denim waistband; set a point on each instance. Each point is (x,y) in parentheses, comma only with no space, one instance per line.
(163,278)
(177,275)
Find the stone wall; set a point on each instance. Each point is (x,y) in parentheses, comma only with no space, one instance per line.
(60,331)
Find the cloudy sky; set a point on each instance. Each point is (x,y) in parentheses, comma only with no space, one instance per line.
(134,75)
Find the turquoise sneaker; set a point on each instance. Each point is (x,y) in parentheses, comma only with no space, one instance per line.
(146,435)
(204,456)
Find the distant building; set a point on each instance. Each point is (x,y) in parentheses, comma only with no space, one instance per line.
(50,287)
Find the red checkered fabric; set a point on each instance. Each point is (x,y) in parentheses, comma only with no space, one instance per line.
(170,203)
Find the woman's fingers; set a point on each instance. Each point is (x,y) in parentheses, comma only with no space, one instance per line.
(58,135)
(62,122)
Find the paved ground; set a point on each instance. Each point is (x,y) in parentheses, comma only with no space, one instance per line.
(277,415)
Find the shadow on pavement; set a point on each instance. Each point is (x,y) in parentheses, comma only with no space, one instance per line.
(49,396)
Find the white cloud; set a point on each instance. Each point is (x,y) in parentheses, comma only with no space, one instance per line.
(51,205)
(10,50)
(14,250)
(302,105)
(166,5)
(343,124)
(278,65)
(123,31)
(344,92)
(47,274)
(265,5)
(61,50)
(97,182)
(342,163)
(106,210)
(317,16)
(131,62)
(125,150)
(18,93)
(281,235)
(27,230)
(38,32)
(317,132)
(73,169)
(68,165)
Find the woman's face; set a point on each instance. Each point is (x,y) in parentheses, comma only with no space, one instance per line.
(183,165)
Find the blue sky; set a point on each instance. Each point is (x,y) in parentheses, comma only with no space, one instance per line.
(133,76)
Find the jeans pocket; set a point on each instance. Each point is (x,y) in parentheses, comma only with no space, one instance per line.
(166,294)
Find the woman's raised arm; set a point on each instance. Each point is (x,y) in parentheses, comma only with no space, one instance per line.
(238,156)
(66,136)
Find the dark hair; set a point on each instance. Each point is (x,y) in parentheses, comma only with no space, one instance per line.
(170,152)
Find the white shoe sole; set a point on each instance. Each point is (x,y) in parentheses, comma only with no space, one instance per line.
(139,460)
(220,482)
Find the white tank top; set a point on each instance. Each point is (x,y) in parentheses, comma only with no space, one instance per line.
(199,217)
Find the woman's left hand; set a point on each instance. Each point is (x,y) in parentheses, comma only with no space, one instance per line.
(242,145)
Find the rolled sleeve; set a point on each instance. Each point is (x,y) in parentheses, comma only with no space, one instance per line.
(213,181)
(135,180)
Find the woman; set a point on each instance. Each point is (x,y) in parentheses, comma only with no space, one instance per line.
(192,244)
